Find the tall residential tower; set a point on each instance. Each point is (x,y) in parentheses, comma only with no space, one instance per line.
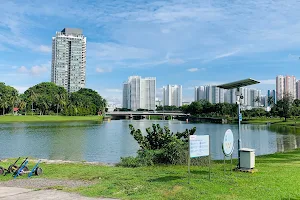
(172,95)
(139,93)
(285,85)
(69,59)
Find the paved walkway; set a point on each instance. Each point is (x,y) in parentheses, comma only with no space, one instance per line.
(29,194)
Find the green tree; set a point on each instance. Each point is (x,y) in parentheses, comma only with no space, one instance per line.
(61,99)
(160,145)
(271,101)
(22,104)
(257,100)
(296,103)
(284,106)
(14,96)
(90,100)
(43,97)
(195,108)
(8,97)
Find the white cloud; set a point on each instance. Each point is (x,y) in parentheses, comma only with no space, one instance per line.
(268,81)
(231,53)
(38,70)
(113,51)
(35,70)
(21,89)
(196,69)
(23,69)
(293,57)
(193,69)
(165,30)
(176,61)
(103,70)
(44,49)
(113,90)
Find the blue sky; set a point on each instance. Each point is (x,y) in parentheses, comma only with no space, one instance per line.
(190,43)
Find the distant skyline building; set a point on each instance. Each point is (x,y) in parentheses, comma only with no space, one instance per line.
(172,95)
(68,68)
(290,86)
(298,89)
(139,93)
(213,94)
(279,87)
(285,85)
(200,93)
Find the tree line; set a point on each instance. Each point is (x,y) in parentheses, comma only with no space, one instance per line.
(284,108)
(49,99)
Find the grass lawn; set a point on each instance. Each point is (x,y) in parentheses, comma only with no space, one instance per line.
(44,118)
(273,121)
(278,177)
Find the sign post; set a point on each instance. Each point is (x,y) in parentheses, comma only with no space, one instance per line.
(227,146)
(198,147)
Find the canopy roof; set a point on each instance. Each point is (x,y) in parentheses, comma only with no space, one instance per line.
(238,84)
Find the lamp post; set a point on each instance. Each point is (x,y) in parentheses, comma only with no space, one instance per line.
(238,102)
(237,85)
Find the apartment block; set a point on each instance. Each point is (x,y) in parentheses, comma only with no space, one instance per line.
(68,68)
(139,93)
(172,95)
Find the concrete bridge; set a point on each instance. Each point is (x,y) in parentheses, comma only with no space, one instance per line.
(132,114)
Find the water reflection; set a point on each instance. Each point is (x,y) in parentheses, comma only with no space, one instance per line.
(108,141)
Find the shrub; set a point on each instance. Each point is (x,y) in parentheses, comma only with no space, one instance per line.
(129,162)
(159,146)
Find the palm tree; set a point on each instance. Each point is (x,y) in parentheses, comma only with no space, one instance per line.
(22,105)
(13,98)
(4,103)
(32,98)
(103,105)
(60,100)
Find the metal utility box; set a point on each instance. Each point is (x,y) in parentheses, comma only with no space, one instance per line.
(247,158)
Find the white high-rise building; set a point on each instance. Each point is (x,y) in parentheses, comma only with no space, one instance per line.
(280,87)
(230,96)
(69,59)
(290,86)
(200,93)
(251,97)
(211,93)
(298,89)
(221,95)
(126,95)
(172,95)
(286,85)
(139,93)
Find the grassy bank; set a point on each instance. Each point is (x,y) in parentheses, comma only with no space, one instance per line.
(47,118)
(278,177)
(274,121)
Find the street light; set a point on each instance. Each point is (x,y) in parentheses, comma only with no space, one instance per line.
(237,85)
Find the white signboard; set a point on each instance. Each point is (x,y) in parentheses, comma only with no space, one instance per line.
(228,143)
(199,145)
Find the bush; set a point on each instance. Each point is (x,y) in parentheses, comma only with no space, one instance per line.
(129,162)
(159,146)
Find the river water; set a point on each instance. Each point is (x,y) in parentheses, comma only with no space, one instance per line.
(108,141)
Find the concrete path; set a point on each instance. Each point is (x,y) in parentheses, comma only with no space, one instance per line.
(29,194)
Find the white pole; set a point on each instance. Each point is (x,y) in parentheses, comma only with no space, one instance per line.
(239,126)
